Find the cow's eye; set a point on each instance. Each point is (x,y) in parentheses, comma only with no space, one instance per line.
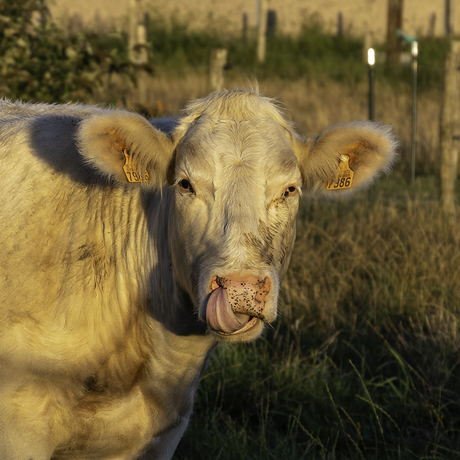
(290,191)
(186,186)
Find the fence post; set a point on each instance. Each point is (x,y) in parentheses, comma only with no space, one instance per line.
(132,29)
(138,53)
(369,29)
(447,18)
(414,65)
(245,26)
(340,24)
(450,118)
(217,62)
(262,33)
(395,8)
(142,61)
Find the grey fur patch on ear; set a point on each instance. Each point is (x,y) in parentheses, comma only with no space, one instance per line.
(102,138)
(371,148)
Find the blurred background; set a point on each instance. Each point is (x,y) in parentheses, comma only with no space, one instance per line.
(154,56)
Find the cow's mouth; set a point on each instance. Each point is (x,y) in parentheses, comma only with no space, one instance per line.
(246,328)
(235,306)
(222,319)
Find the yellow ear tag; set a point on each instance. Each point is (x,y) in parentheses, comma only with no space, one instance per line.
(130,169)
(344,177)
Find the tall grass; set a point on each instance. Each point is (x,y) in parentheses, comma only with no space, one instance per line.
(363,362)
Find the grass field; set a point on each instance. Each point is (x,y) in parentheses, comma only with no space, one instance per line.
(364,360)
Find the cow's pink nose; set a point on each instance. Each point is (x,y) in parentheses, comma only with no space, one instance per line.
(235,300)
(246,294)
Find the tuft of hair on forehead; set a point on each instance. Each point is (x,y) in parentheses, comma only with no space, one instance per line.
(238,105)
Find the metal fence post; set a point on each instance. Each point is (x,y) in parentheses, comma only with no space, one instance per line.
(414,53)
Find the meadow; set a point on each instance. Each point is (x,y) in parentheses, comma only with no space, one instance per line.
(363,362)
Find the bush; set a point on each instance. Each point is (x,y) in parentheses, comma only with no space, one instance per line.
(40,62)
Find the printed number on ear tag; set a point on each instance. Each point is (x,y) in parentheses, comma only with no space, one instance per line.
(131,172)
(344,177)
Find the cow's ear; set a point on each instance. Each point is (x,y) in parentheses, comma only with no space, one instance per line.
(355,152)
(126,146)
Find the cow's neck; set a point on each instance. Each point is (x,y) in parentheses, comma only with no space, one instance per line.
(167,339)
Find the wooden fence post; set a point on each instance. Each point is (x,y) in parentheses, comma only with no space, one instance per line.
(138,53)
(450,130)
(245,26)
(217,62)
(395,8)
(262,33)
(447,18)
(142,61)
(132,29)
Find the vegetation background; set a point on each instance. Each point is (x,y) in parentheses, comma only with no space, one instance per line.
(364,359)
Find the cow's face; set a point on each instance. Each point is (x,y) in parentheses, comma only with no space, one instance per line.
(236,186)
(236,169)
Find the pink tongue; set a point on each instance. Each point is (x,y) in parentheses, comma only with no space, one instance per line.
(219,314)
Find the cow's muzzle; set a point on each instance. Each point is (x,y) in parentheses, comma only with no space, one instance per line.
(236,303)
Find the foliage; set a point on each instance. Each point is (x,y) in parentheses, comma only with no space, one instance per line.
(363,362)
(40,62)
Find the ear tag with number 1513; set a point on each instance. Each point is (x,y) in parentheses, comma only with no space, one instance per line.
(344,177)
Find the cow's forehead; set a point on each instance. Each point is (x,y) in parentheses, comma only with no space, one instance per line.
(223,150)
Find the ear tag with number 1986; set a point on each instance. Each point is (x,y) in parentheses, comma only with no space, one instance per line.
(344,177)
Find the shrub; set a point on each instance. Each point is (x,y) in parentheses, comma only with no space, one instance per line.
(40,62)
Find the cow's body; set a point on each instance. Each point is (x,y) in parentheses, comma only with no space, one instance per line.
(112,295)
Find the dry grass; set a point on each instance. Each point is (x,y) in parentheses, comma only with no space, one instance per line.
(363,362)
(398,258)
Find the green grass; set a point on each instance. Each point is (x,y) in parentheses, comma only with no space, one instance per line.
(314,53)
(364,359)
(175,48)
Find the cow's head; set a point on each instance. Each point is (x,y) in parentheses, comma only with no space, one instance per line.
(237,170)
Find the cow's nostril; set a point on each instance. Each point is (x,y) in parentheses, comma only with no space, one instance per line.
(263,290)
(215,283)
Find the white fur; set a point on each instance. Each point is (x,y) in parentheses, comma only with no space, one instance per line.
(101,349)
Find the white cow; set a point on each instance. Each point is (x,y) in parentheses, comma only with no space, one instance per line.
(113,293)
